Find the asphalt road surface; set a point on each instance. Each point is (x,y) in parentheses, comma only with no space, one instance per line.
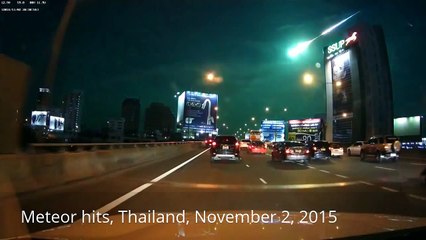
(191,182)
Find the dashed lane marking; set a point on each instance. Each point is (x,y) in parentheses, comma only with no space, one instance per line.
(385,168)
(389,189)
(263,181)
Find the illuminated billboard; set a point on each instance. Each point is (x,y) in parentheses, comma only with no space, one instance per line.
(56,123)
(197,111)
(407,126)
(273,130)
(39,118)
(305,129)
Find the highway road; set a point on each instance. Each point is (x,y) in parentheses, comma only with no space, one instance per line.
(191,182)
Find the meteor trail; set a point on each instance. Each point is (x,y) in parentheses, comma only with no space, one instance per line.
(300,47)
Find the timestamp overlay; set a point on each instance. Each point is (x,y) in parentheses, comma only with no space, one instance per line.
(14,6)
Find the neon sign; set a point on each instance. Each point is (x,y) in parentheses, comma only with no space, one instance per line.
(342,43)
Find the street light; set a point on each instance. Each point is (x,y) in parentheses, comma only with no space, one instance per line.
(308,79)
(252,118)
(285,109)
(267,109)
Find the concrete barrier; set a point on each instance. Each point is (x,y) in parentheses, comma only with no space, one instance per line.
(31,172)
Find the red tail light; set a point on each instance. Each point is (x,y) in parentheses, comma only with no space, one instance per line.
(205,141)
(315,148)
(287,151)
(307,151)
(237,144)
(214,144)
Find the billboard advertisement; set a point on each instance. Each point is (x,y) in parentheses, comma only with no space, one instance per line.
(273,130)
(39,118)
(305,129)
(407,126)
(56,123)
(197,111)
(342,84)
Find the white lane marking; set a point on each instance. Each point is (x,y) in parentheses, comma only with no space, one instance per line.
(311,167)
(367,183)
(342,176)
(268,154)
(418,164)
(127,196)
(385,168)
(389,189)
(263,181)
(247,165)
(324,171)
(417,197)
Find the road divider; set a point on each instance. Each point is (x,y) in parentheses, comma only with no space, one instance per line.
(31,172)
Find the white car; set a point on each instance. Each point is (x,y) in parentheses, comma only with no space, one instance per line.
(355,149)
(336,150)
(244,143)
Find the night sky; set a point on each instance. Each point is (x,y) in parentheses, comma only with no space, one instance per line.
(152,49)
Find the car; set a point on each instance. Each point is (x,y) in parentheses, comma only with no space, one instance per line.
(355,149)
(225,148)
(319,149)
(244,143)
(208,141)
(336,150)
(290,151)
(257,147)
(382,148)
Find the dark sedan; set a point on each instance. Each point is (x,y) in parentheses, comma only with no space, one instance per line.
(290,151)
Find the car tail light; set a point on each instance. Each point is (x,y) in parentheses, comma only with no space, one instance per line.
(315,148)
(205,141)
(214,144)
(287,151)
(307,151)
(237,144)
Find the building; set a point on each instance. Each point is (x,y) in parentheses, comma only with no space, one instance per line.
(197,114)
(116,130)
(72,111)
(159,121)
(43,99)
(358,86)
(130,111)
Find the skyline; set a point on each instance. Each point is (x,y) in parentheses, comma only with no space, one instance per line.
(172,45)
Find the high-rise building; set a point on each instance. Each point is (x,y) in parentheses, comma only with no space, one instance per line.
(116,129)
(130,111)
(358,86)
(159,119)
(72,111)
(43,99)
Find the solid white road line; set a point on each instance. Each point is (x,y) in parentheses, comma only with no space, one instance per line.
(127,196)
(247,165)
(385,168)
(263,181)
(311,167)
(389,189)
(324,171)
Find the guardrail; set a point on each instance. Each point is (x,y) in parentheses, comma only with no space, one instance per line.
(76,147)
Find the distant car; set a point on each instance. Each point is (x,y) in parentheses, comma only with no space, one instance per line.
(208,141)
(257,147)
(244,143)
(225,148)
(336,150)
(382,148)
(355,149)
(319,150)
(290,151)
